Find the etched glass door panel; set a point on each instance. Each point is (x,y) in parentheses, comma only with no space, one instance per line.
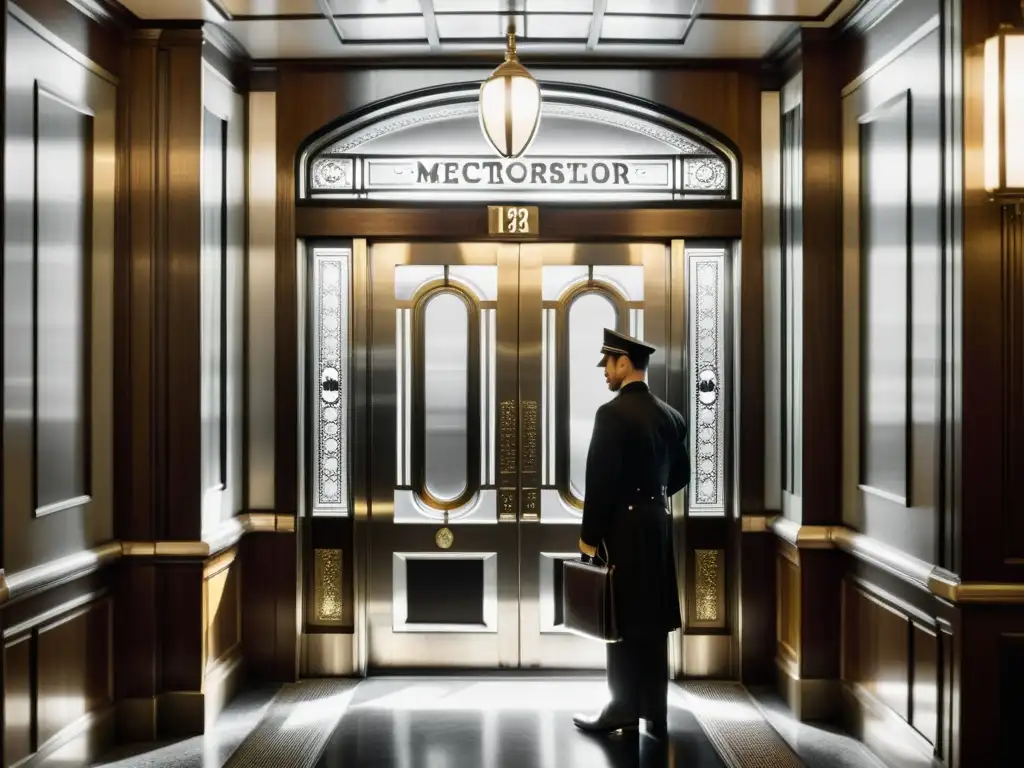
(443,570)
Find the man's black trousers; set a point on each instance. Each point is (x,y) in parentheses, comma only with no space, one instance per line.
(638,677)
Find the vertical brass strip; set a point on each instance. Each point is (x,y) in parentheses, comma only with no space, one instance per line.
(507,435)
(530,427)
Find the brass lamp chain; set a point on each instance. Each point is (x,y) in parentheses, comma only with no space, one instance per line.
(510,45)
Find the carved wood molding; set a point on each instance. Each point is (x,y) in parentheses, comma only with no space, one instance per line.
(932,578)
(64,569)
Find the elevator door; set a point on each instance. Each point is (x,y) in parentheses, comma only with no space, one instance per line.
(484,387)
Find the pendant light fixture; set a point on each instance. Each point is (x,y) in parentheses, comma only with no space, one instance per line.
(510,103)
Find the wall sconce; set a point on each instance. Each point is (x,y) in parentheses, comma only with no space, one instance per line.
(1004,114)
(510,104)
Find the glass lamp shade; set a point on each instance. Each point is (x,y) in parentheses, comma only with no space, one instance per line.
(1004,114)
(510,108)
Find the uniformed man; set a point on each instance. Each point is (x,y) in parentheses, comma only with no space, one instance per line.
(638,458)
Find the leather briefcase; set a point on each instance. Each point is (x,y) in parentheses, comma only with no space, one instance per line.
(588,600)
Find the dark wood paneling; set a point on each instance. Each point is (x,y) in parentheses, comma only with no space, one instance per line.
(182,655)
(749,408)
(1013,355)
(268,598)
(136,631)
(73,668)
(566,224)
(787,602)
(1011,696)
(137,448)
(822,283)
(990,680)
(821,573)
(18,699)
(96,39)
(758,616)
(892,654)
(991,541)
(58,662)
(184,110)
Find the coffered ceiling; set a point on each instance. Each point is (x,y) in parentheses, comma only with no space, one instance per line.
(581,29)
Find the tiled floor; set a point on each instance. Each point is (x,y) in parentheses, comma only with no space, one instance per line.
(496,723)
(487,722)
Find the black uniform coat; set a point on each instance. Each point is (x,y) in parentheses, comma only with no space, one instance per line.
(638,456)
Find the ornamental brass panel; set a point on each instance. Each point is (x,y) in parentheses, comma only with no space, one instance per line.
(327,584)
(531,504)
(507,504)
(530,427)
(507,436)
(708,578)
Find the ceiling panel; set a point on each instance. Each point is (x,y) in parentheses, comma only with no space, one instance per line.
(734,39)
(561,27)
(641,28)
(286,39)
(802,8)
(474,27)
(474,6)
(272,7)
(664,7)
(361,7)
(559,6)
(173,9)
(377,28)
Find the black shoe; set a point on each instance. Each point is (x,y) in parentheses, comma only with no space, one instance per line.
(605,722)
(657,729)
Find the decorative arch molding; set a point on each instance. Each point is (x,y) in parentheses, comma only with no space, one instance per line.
(592,145)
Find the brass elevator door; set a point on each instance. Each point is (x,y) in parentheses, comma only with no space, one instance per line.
(483,390)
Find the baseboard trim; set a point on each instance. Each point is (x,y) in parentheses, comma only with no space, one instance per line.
(883,731)
(222,682)
(815,699)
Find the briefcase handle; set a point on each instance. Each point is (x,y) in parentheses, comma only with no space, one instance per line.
(598,555)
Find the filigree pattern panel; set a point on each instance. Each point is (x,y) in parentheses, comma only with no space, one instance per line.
(707,373)
(327,584)
(707,567)
(331,276)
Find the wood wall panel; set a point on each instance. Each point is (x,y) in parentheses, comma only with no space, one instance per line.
(58,665)
(788,602)
(269,628)
(222,606)
(17,700)
(74,673)
(891,659)
(59,242)
(894,273)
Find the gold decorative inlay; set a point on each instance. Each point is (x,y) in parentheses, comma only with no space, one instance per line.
(531,504)
(507,436)
(706,593)
(444,538)
(530,417)
(327,584)
(507,504)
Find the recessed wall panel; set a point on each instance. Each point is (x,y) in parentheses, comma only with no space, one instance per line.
(886,236)
(63,146)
